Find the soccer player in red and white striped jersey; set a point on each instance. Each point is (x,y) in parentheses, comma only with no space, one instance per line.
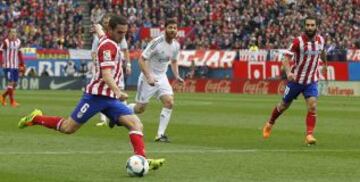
(302,77)
(12,63)
(102,94)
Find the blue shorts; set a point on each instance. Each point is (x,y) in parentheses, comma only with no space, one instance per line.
(292,91)
(11,74)
(89,105)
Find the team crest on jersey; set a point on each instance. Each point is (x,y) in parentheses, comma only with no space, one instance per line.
(107,55)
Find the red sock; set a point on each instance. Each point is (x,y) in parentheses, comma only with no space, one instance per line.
(53,122)
(310,122)
(6,92)
(11,94)
(274,115)
(136,139)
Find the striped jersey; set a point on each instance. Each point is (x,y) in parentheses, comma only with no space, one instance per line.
(159,53)
(109,56)
(306,58)
(11,53)
(122,45)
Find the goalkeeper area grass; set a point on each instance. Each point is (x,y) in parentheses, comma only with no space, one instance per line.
(215,137)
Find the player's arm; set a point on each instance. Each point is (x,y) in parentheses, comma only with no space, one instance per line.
(325,63)
(144,67)
(127,61)
(288,56)
(2,47)
(174,65)
(144,63)
(125,50)
(286,64)
(109,80)
(99,30)
(21,63)
(94,47)
(106,57)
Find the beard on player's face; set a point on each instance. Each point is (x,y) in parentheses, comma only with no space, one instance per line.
(171,31)
(310,33)
(171,34)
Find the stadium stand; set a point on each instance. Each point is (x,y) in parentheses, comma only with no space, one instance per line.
(215,24)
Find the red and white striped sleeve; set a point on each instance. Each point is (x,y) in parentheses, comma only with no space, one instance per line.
(106,55)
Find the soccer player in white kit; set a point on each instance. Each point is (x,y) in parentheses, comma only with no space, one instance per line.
(153,81)
(99,32)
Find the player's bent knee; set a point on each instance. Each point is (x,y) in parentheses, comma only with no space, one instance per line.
(132,122)
(139,108)
(169,103)
(69,126)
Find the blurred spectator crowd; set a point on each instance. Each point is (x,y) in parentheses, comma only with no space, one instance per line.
(236,24)
(216,24)
(44,23)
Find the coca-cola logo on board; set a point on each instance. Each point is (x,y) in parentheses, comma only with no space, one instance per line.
(222,86)
(259,87)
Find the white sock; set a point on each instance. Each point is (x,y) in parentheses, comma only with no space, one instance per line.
(103,118)
(131,106)
(164,120)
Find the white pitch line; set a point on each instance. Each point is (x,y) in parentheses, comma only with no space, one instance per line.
(191,151)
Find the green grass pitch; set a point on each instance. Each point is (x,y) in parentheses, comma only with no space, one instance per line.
(215,137)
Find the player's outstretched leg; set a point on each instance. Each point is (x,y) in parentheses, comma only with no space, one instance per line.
(310,120)
(67,126)
(27,120)
(269,124)
(133,123)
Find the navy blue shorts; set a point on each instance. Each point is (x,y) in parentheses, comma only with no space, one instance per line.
(89,105)
(11,74)
(292,91)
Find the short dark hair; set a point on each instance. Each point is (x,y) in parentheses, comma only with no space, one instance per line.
(169,21)
(117,20)
(312,17)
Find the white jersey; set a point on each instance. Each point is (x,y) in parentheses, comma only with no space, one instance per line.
(159,53)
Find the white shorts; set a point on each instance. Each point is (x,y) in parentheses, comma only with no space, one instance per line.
(145,91)
(122,82)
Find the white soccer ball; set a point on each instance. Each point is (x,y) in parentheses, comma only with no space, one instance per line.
(137,165)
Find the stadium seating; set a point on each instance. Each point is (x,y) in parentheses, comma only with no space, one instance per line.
(216,24)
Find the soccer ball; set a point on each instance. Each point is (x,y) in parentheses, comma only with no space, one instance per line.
(137,165)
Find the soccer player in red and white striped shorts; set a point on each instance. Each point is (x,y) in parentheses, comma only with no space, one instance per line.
(302,76)
(12,64)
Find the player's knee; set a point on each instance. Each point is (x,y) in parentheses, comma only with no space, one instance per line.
(68,130)
(283,106)
(312,107)
(169,103)
(67,127)
(135,124)
(139,109)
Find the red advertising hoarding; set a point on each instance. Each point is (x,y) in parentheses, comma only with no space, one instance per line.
(154,32)
(230,86)
(272,70)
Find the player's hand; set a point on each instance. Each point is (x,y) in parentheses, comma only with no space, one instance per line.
(324,71)
(180,80)
(123,96)
(151,80)
(290,76)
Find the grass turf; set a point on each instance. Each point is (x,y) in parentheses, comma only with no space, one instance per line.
(215,137)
